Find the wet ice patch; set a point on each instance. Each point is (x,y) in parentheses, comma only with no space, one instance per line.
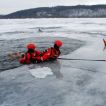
(41,72)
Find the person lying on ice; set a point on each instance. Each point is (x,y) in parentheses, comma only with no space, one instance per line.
(51,53)
(30,56)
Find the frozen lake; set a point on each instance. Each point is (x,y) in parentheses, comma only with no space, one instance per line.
(57,83)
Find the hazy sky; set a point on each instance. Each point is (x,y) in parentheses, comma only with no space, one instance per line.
(8,6)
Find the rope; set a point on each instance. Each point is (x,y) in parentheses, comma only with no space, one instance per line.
(76,67)
(80,59)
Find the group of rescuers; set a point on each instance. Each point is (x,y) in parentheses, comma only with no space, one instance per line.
(35,56)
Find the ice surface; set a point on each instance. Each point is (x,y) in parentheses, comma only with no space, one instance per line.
(18,29)
(41,72)
(71,83)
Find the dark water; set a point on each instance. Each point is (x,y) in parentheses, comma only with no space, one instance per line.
(11,46)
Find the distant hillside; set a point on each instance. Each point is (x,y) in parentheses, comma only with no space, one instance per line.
(1,16)
(61,12)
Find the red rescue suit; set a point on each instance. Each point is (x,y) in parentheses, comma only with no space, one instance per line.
(29,58)
(49,54)
(104,42)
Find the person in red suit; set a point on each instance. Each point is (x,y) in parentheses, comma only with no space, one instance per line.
(51,53)
(30,56)
(104,42)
